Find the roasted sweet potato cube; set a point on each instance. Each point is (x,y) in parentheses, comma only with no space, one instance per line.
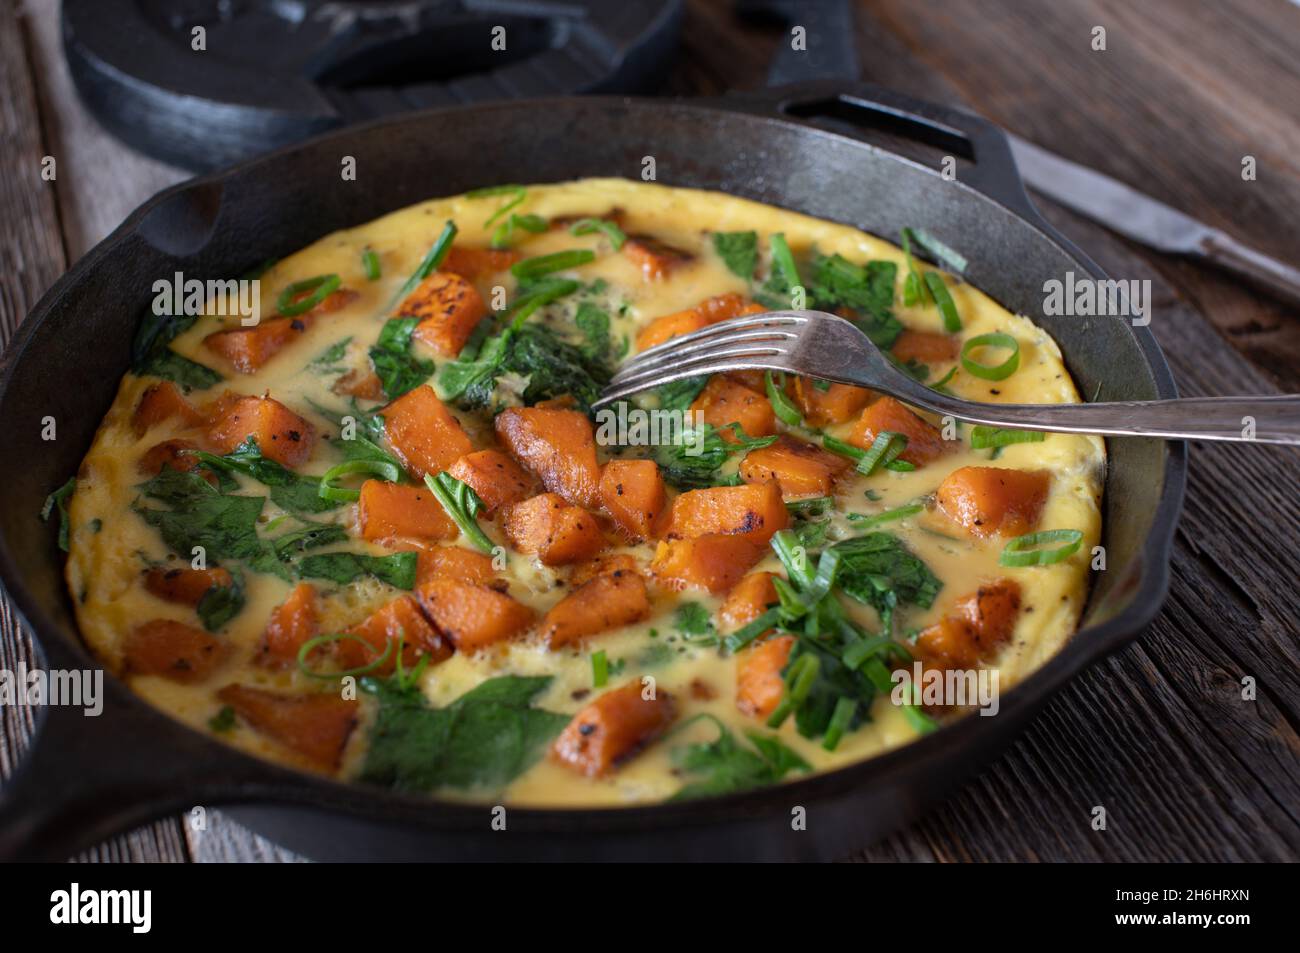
(710,311)
(423,433)
(363,384)
(600,565)
(449,308)
(457,563)
(989,500)
(724,307)
(924,442)
(281,434)
(248,349)
(475,263)
(558,446)
(797,467)
(293,624)
(655,258)
(715,562)
(496,478)
(759,682)
(634,496)
(553,530)
(163,401)
(608,601)
(184,585)
(928,347)
(836,404)
(174,455)
(755,511)
(316,726)
(473,616)
(613,728)
(386,510)
(173,650)
(747,600)
(399,621)
(724,402)
(975,629)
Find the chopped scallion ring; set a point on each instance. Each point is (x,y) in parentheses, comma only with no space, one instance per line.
(914,290)
(430,263)
(531,268)
(984,438)
(518,193)
(994,372)
(841,718)
(798,683)
(939,290)
(884,450)
(588,225)
(370,262)
(321,287)
(599,669)
(1019,551)
(340,494)
(311,644)
(782,405)
(899,513)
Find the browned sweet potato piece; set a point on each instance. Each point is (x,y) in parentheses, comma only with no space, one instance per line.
(475,263)
(613,728)
(387,509)
(423,433)
(184,585)
(600,565)
(557,445)
(457,563)
(553,530)
(747,600)
(724,402)
(988,500)
(449,308)
(399,620)
(473,616)
(171,454)
(834,405)
(714,562)
(655,258)
(973,631)
(315,726)
(759,684)
(797,467)
(928,347)
(293,623)
(755,511)
(497,479)
(363,384)
(634,496)
(924,442)
(173,650)
(609,601)
(709,311)
(160,402)
(281,434)
(248,349)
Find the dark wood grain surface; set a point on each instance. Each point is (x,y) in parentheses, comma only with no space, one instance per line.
(1159,734)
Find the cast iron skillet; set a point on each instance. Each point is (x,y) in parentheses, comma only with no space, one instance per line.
(88,778)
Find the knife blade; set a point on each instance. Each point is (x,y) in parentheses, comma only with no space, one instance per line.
(1145,220)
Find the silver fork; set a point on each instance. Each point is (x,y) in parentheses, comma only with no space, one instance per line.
(821,345)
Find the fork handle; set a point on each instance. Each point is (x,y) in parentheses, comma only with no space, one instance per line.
(1244,419)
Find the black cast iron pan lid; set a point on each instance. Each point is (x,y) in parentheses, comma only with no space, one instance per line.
(272,72)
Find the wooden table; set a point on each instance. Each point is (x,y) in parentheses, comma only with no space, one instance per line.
(1158,734)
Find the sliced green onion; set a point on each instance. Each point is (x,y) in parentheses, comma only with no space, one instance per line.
(914,291)
(982,438)
(462,505)
(783,260)
(915,716)
(599,669)
(542,294)
(798,683)
(312,644)
(531,268)
(1020,551)
(518,192)
(811,506)
(784,408)
(752,630)
(944,254)
(898,513)
(883,451)
(340,494)
(994,372)
(877,674)
(505,232)
(941,385)
(430,262)
(845,709)
(836,445)
(321,287)
(370,262)
(588,225)
(939,289)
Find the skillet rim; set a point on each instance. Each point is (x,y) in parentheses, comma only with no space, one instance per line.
(268,782)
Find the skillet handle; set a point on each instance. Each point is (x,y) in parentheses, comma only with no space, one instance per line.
(87,778)
(991,167)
